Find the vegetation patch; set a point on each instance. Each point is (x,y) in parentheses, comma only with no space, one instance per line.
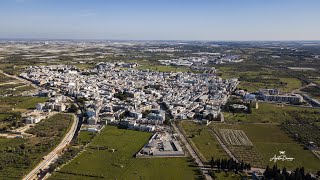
(121,163)
(202,140)
(273,113)
(20,102)
(19,156)
(235,137)
(269,139)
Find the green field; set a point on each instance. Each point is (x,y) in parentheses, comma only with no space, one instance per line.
(121,164)
(162,168)
(291,84)
(227,176)
(20,102)
(204,141)
(18,156)
(269,139)
(272,113)
(85,137)
(255,78)
(14,89)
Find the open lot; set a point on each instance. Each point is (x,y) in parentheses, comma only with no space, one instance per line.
(121,164)
(273,113)
(203,140)
(269,139)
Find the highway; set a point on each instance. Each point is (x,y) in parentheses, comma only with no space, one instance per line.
(48,159)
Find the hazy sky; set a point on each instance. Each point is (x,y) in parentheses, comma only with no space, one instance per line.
(161,19)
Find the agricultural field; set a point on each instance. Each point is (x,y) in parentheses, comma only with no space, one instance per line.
(121,164)
(166,168)
(234,137)
(303,131)
(253,78)
(19,156)
(269,139)
(273,113)
(85,137)
(240,146)
(202,140)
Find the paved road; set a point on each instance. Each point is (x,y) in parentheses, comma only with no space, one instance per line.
(54,154)
(192,152)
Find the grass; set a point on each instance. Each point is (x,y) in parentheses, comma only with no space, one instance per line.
(313,91)
(271,113)
(19,156)
(20,102)
(121,164)
(84,65)
(166,168)
(14,89)
(255,78)
(4,78)
(291,84)
(203,140)
(85,137)
(227,176)
(269,139)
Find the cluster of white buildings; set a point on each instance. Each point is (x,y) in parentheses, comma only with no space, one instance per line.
(141,96)
(54,104)
(202,59)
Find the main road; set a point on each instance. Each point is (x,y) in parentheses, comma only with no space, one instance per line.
(48,159)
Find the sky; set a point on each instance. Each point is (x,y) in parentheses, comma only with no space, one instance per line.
(230,20)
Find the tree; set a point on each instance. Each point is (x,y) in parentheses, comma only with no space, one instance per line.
(212,162)
(285,173)
(73,108)
(268,173)
(249,109)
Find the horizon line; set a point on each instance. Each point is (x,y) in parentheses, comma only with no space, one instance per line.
(107,39)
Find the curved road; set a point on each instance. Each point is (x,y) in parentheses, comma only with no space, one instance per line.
(54,154)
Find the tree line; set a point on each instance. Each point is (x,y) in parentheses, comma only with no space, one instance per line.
(297,174)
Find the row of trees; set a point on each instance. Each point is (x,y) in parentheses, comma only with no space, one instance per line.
(277,174)
(229,164)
